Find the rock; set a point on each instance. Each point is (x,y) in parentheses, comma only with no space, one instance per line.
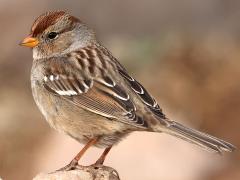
(82,173)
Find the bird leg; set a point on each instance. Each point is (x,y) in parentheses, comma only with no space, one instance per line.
(74,163)
(101,159)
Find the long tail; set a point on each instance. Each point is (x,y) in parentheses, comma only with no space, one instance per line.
(201,139)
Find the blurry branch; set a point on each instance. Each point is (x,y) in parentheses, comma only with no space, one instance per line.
(82,173)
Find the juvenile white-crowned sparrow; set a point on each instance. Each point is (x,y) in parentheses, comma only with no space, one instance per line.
(83,91)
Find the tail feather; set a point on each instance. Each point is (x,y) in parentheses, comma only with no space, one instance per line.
(201,139)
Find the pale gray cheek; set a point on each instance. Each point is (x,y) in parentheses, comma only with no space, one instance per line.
(60,45)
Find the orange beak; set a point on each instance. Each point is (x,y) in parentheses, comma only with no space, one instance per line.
(29,42)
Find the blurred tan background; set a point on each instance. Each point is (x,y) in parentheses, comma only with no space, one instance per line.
(186,53)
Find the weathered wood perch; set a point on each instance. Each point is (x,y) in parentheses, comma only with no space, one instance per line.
(82,173)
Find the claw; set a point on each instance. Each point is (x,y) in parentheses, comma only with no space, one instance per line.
(71,166)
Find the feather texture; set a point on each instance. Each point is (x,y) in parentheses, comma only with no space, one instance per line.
(204,140)
(85,82)
(93,79)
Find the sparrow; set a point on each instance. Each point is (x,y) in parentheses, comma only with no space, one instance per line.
(83,91)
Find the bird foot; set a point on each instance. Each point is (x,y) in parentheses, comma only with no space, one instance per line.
(71,166)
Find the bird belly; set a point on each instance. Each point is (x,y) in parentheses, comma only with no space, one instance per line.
(78,123)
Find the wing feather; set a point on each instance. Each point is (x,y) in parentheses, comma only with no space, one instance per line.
(103,97)
(142,93)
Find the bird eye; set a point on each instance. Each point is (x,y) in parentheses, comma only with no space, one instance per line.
(52,35)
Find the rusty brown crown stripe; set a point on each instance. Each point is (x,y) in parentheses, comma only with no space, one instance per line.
(44,21)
